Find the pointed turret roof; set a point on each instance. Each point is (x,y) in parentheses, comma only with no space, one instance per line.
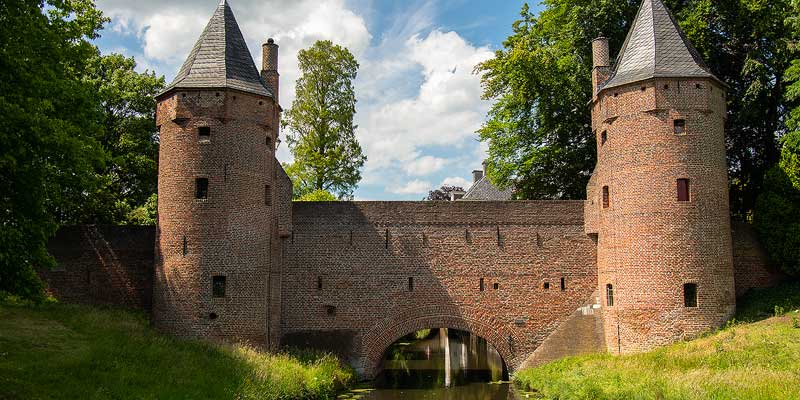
(220,59)
(656,48)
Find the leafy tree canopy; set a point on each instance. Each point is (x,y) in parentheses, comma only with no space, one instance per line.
(49,134)
(539,128)
(327,155)
(317,195)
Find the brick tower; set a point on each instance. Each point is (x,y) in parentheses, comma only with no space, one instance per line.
(218,123)
(658,198)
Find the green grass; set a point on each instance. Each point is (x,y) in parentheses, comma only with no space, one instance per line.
(756,359)
(74,352)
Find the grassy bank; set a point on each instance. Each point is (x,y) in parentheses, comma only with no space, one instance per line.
(74,352)
(755,358)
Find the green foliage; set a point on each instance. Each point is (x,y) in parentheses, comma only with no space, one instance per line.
(758,304)
(321,131)
(74,352)
(146,214)
(539,128)
(749,361)
(318,195)
(48,133)
(777,213)
(129,136)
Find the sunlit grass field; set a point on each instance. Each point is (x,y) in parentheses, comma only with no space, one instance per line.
(755,358)
(74,352)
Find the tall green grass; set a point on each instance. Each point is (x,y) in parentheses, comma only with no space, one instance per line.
(754,360)
(75,352)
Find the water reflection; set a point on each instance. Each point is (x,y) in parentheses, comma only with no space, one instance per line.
(438,358)
(473,391)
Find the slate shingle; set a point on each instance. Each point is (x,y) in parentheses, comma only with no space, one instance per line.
(220,59)
(656,48)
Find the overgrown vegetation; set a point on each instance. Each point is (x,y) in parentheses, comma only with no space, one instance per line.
(74,352)
(754,360)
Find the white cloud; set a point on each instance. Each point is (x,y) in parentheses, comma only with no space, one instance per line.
(425,165)
(168,31)
(456,181)
(413,187)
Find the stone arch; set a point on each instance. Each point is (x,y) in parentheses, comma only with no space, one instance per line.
(379,338)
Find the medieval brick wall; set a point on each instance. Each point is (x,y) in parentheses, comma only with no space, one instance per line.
(649,243)
(102,265)
(347,269)
(229,233)
(750,262)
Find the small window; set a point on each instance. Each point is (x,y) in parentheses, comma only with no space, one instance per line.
(410,284)
(218,286)
(268,195)
(330,310)
(698,86)
(606,199)
(610,295)
(269,142)
(204,132)
(546,285)
(319,283)
(481,286)
(563,284)
(201,188)
(683,190)
(666,87)
(680,126)
(690,295)
(185,246)
(496,286)
(603,138)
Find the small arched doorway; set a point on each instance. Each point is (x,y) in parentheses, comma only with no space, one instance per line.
(439,357)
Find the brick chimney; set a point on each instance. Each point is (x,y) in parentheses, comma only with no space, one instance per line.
(269,66)
(476,175)
(601,63)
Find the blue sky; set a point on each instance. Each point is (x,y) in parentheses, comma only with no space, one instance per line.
(418,98)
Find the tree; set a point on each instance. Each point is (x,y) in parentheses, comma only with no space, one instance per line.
(130,178)
(777,212)
(317,195)
(539,128)
(49,132)
(327,155)
(443,193)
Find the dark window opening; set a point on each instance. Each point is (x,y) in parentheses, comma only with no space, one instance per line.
(218,286)
(644,88)
(330,310)
(204,132)
(547,285)
(481,286)
(563,284)
(603,138)
(319,283)
(269,142)
(690,295)
(606,199)
(699,86)
(185,246)
(201,188)
(680,126)
(666,87)
(212,316)
(683,190)
(610,295)
(496,286)
(410,284)
(268,195)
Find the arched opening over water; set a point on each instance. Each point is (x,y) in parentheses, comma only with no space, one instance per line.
(440,357)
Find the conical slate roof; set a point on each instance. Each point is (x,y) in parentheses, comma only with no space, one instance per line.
(656,48)
(220,59)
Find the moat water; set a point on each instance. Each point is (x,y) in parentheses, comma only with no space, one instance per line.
(439,364)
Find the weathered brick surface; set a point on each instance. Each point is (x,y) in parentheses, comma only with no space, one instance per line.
(649,243)
(230,233)
(447,248)
(750,261)
(102,265)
